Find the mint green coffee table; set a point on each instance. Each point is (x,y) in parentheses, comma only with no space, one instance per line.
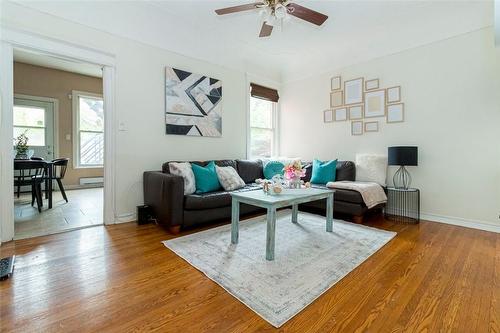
(287,198)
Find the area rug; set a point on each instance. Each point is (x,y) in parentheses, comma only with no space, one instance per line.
(308,260)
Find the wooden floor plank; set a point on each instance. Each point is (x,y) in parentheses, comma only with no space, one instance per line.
(120,278)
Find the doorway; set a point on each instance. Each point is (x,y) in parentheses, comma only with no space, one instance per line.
(16,40)
(73,195)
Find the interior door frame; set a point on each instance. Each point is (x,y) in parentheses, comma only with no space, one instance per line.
(17,39)
(55,103)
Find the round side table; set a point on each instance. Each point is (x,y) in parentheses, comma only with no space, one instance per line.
(403,205)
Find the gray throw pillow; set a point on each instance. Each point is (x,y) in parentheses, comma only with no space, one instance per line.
(229,178)
(184,170)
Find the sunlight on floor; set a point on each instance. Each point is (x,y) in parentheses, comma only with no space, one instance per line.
(84,208)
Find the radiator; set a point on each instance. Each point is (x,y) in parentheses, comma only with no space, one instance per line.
(92,181)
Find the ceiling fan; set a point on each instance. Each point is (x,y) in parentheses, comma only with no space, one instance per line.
(275,11)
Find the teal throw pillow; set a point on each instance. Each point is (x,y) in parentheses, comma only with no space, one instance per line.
(323,172)
(273,168)
(205,178)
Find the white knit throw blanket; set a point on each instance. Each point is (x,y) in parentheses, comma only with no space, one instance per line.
(372,193)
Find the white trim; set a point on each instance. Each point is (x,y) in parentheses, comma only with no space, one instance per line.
(12,38)
(55,108)
(75,110)
(6,134)
(474,224)
(108,80)
(55,48)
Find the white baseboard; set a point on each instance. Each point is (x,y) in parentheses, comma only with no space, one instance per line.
(124,218)
(474,224)
(79,187)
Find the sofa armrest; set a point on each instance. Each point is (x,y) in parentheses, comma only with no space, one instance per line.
(165,194)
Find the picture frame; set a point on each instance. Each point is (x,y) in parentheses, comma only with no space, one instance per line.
(393,94)
(353,91)
(371,84)
(371,126)
(356,127)
(336,98)
(395,113)
(336,83)
(356,112)
(375,103)
(340,114)
(328,116)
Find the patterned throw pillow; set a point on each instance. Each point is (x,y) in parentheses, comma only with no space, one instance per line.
(229,178)
(184,170)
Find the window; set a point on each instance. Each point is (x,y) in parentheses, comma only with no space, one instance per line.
(88,133)
(262,127)
(31,121)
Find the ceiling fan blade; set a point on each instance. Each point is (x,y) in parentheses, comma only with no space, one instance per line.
(240,8)
(306,14)
(266,30)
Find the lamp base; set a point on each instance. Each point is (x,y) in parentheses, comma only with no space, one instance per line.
(402,178)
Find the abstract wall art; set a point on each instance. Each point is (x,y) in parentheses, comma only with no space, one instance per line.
(193,104)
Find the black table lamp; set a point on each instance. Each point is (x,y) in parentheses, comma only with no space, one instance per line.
(402,156)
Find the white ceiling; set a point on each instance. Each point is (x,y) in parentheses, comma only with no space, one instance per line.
(356,31)
(42,60)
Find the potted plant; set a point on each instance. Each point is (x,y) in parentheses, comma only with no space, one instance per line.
(21,146)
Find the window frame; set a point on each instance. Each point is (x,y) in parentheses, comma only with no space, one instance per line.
(274,128)
(44,127)
(75,95)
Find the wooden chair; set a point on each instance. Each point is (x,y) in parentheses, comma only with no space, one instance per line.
(30,173)
(59,170)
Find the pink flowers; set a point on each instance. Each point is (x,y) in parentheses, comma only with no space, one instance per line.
(294,171)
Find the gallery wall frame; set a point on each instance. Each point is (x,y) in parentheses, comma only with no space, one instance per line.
(395,113)
(393,94)
(371,126)
(336,83)
(336,98)
(371,84)
(357,127)
(375,103)
(328,116)
(353,91)
(356,112)
(340,114)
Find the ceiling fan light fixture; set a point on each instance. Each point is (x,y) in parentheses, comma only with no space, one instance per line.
(280,11)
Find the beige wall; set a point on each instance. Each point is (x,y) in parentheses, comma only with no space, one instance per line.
(45,82)
(452,111)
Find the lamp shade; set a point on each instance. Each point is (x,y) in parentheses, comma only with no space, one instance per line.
(403,155)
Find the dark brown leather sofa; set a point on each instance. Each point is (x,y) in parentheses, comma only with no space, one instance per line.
(164,192)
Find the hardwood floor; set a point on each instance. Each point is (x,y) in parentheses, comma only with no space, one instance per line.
(432,277)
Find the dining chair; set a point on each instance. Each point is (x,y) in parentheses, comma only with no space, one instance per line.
(30,173)
(59,166)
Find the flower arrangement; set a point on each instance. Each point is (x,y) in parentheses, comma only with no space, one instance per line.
(294,171)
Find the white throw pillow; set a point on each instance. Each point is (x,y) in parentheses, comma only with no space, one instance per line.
(371,168)
(229,178)
(184,170)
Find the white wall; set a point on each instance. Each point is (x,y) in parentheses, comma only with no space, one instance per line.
(140,101)
(451,91)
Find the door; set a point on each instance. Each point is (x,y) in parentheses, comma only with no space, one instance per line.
(35,118)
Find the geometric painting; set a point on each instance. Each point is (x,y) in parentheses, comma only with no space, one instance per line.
(193,104)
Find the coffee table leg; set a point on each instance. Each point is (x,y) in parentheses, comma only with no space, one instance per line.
(235,219)
(295,212)
(329,213)
(271,228)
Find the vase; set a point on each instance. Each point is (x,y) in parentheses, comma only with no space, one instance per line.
(294,183)
(21,156)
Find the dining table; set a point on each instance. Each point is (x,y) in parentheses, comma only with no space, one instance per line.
(48,167)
